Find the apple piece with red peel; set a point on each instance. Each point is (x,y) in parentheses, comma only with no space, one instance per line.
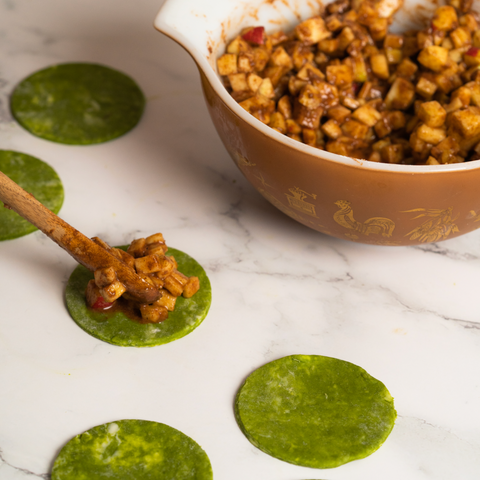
(255,35)
(472,57)
(101,304)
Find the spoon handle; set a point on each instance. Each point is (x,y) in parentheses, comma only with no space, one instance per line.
(81,248)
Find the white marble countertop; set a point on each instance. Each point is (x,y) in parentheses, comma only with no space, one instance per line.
(409,316)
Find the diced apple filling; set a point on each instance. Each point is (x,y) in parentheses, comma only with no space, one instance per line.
(342,82)
(145,256)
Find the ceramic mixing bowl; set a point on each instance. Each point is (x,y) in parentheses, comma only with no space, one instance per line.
(358,200)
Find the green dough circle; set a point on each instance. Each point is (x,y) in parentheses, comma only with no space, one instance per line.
(314,411)
(132,450)
(37,178)
(116,328)
(77,103)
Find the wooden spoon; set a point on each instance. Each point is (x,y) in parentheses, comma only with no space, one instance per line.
(81,248)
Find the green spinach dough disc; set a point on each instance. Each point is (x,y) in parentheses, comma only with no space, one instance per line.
(77,103)
(116,328)
(37,178)
(132,450)
(314,411)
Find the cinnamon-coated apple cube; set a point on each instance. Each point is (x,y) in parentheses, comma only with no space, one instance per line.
(293,127)
(382,127)
(254,81)
(260,107)
(445,18)
(354,129)
(192,287)
(378,29)
(401,94)
(432,161)
(367,114)
(461,37)
(379,64)
(260,58)
(334,22)
(339,113)
(377,146)
(474,89)
(312,30)
(277,121)
(156,248)
(105,276)
(466,122)
(434,57)
(111,292)
(148,264)
(137,247)
(464,94)
(275,73)
(339,75)
(393,153)
(430,134)
(307,117)
(157,281)
(155,238)
(332,129)
(245,62)
(278,37)
(284,106)
(172,259)
(394,55)
(310,96)
(166,300)
(92,293)
(173,286)
(345,38)
(393,41)
(266,88)
(310,73)
(426,88)
(359,67)
(153,313)
(309,136)
(416,144)
(350,102)
(167,265)
(280,58)
(375,157)
(445,149)
(472,57)
(396,119)
(456,54)
(227,64)
(238,46)
(301,54)
(295,84)
(238,82)
(328,46)
(469,21)
(432,114)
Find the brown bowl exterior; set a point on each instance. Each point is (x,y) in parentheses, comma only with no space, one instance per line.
(360,204)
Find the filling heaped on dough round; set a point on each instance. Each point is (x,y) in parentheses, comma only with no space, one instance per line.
(77,103)
(100,306)
(132,449)
(314,411)
(35,177)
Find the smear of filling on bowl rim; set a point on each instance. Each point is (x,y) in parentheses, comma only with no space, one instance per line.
(342,82)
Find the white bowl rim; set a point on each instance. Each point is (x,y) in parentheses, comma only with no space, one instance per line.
(162,24)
